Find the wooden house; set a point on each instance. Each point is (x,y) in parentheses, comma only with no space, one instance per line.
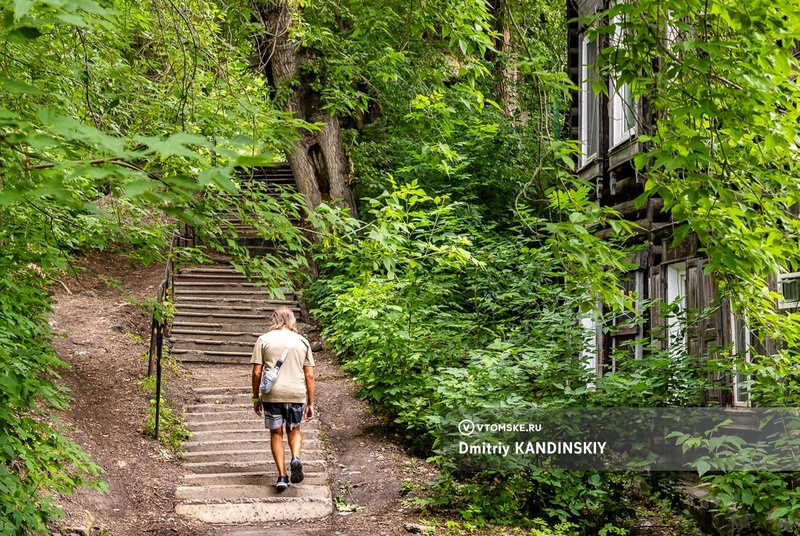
(609,128)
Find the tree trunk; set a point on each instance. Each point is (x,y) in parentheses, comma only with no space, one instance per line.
(505,69)
(322,170)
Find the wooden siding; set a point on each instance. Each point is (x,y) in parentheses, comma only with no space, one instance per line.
(617,185)
(707,325)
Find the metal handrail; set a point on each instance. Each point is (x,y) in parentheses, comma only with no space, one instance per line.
(165,289)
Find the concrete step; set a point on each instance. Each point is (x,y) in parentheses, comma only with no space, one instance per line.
(254,430)
(242,397)
(221,390)
(259,251)
(229,289)
(197,428)
(216,284)
(222,324)
(249,300)
(257,510)
(195,334)
(221,345)
(255,464)
(272,175)
(235,416)
(259,478)
(262,308)
(277,177)
(217,318)
(248,312)
(261,454)
(228,492)
(200,356)
(250,443)
(209,269)
(243,295)
(211,277)
(192,410)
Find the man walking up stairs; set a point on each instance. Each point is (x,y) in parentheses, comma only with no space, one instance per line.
(230,474)
(291,398)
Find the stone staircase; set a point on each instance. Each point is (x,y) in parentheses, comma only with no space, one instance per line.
(271,180)
(220,314)
(230,472)
(230,475)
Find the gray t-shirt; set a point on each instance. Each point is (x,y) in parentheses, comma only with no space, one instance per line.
(291,383)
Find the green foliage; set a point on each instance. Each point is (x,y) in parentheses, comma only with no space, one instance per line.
(719,78)
(724,164)
(418,89)
(344,506)
(431,318)
(93,161)
(537,527)
(272,216)
(35,454)
(464,285)
(171,430)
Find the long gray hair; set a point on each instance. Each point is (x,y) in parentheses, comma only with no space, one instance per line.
(283,317)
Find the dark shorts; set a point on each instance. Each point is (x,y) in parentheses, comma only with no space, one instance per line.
(278,413)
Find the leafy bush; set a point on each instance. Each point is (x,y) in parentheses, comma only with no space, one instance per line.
(171,430)
(35,454)
(431,318)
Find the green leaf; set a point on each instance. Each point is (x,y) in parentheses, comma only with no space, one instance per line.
(21,8)
(136,188)
(73,19)
(702,467)
(15,86)
(23,34)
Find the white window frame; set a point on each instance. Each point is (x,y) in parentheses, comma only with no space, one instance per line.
(741,348)
(622,105)
(676,290)
(638,350)
(591,347)
(588,102)
(782,303)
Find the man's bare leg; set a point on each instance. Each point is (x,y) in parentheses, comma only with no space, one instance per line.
(295,441)
(276,444)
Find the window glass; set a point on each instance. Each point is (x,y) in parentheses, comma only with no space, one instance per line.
(741,348)
(589,109)
(676,292)
(623,107)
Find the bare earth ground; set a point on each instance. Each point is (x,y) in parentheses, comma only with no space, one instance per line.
(105,340)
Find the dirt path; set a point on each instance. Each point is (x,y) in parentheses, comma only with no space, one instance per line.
(105,342)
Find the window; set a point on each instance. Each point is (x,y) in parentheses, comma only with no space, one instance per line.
(623,116)
(623,107)
(591,331)
(741,349)
(789,288)
(676,293)
(589,103)
(628,331)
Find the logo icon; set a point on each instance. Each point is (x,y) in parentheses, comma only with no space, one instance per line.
(466,427)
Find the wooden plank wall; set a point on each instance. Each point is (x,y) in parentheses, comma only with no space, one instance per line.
(709,329)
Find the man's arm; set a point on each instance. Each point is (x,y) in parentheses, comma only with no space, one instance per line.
(309,374)
(256,381)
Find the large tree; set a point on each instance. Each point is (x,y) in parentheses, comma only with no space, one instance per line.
(318,160)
